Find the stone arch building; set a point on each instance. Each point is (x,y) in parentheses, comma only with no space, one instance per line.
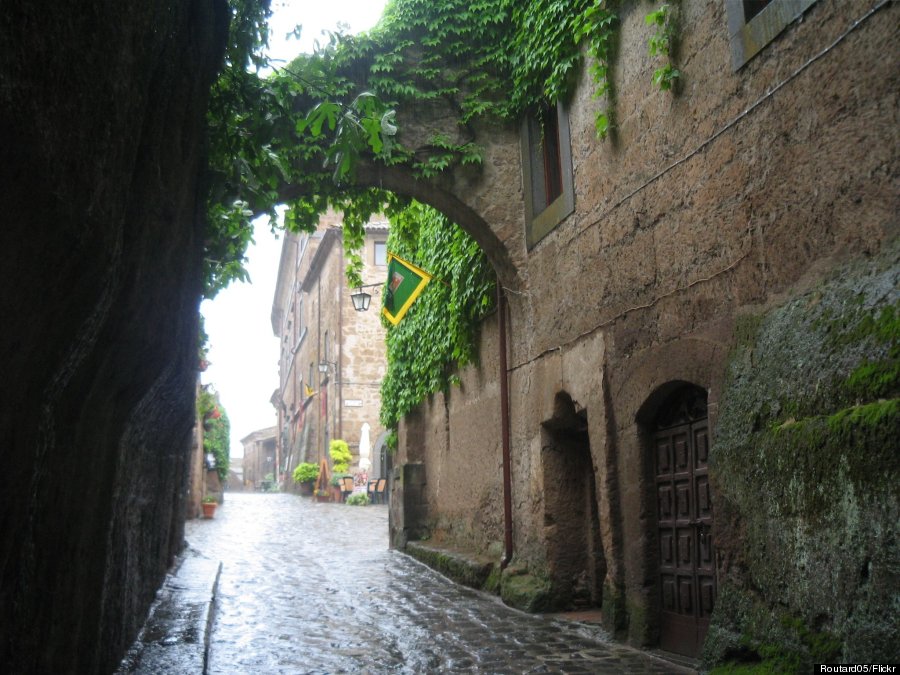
(731,219)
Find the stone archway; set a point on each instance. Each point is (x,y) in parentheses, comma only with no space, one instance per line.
(575,559)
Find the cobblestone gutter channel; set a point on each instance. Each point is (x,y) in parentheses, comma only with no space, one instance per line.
(175,638)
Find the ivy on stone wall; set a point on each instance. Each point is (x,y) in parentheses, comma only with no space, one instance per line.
(662,44)
(439,333)
(298,135)
(216,429)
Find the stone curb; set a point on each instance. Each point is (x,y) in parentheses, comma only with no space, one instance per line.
(461,568)
(175,637)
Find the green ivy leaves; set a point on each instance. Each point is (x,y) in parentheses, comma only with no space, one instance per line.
(661,44)
(440,331)
(309,124)
(216,430)
(547,52)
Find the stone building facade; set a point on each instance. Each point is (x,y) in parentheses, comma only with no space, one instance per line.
(332,356)
(260,458)
(683,325)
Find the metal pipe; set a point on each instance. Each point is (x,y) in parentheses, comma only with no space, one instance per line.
(504,430)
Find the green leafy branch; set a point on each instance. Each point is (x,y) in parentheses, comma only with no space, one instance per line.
(299,136)
(661,44)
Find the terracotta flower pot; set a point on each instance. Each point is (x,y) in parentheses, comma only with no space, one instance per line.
(209,509)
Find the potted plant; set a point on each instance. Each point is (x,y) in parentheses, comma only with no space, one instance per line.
(323,495)
(209,505)
(358,499)
(340,456)
(306,474)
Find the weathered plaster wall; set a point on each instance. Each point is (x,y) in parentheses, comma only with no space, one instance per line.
(363,360)
(455,437)
(102,110)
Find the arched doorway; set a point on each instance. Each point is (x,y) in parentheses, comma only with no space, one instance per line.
(686,571)
(575,557)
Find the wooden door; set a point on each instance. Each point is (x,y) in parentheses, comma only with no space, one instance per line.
(684,521)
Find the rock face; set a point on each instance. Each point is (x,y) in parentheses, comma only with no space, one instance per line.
(102,112)
(807,458)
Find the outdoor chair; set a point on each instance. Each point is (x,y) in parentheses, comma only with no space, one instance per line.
(346,487)
(370,490)
(378,496)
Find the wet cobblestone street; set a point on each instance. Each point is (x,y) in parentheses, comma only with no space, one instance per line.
(313,588)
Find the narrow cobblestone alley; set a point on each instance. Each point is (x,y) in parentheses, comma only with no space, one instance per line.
(313,588)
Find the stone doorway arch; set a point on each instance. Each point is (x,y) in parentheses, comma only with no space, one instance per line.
(575,558)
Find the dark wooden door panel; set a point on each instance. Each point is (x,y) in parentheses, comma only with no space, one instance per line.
(684,522)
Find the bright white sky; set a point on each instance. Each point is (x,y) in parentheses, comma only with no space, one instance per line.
(243,351)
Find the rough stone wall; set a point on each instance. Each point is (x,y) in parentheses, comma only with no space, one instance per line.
(741,191)
(455,436)
(809,474)
(363,360)
(102,110)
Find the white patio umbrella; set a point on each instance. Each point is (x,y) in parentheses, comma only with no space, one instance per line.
(365,448)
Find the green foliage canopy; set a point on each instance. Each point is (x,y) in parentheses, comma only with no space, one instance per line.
(299,135)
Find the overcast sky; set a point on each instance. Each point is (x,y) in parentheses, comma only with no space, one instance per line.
(243,351)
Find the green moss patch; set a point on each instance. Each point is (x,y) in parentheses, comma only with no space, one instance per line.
(528,592)
(806,467)
(465,569)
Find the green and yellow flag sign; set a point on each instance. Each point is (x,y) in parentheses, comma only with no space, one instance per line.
(404,284)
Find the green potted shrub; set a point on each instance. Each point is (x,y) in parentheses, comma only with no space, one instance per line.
(340,455)
(209,504)
(358,499)
(306,474)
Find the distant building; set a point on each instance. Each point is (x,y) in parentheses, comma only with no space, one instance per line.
(332,357)
(235,482)
(259,462)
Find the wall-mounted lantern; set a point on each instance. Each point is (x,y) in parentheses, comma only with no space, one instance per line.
(361,299)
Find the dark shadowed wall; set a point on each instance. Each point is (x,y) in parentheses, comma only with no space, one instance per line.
(101,150)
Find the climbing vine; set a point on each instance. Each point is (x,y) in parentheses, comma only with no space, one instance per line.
(661,44)
(216,429)
(439,333)
(300,135)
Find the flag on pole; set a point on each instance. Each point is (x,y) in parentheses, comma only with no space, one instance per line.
(404,284)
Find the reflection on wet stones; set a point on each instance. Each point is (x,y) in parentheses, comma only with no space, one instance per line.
(313,588)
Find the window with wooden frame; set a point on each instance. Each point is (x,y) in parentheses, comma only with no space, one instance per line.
(752,24)
(546,171)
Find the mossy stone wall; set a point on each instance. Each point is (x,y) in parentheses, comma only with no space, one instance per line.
(808,474)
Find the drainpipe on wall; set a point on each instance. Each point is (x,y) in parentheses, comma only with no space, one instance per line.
(504,430)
